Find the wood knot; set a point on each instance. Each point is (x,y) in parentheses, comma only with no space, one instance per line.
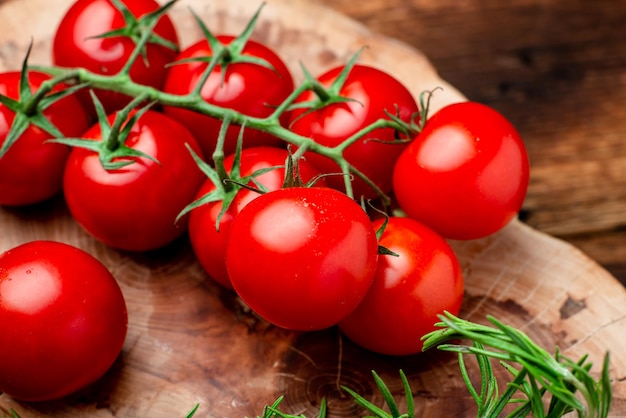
(316,367)
(571,307)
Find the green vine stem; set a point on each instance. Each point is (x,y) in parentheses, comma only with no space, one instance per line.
(121,83)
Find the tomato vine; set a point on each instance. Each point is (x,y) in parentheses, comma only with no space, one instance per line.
(123,84)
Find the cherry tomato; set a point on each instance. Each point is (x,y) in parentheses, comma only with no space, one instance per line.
(371,93)
(208,242)
(77,44)
(466,174)
(302,258)
(134,208)
(249,88)
(408,291)
(32,170)
(63,320)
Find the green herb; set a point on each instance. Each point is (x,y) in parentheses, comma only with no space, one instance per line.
(549,385)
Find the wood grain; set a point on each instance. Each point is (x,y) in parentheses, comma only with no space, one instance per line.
(190,341)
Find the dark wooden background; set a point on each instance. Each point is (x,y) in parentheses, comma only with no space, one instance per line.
(557,70)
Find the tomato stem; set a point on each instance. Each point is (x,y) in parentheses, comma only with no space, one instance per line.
(218,154)
(323,95)
(31,106)
(114,139)
(121,83)
(306,85)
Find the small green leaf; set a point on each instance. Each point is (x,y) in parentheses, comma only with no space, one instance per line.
(340,81)
(88,144)
(123,156)
(24,86)
(387,396)
(14,105)
(50,99)
(382,250)
(323,409)
(42,122)
(193,411)
(410,402)
(103,120)
(605,387)
(239,43)
(370,407)
(19,125)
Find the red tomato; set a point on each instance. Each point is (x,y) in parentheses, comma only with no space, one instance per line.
(302,258)
(251,89)
(372,92)
(63,320)
(408,291)
(32,170)
(466,173)
(134,208)
(76,44)
(209,243)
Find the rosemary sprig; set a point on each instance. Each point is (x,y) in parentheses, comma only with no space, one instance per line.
(568,385)
(394,410)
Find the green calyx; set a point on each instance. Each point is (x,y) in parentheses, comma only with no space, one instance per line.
(140,30)
(326,96)
(227,184)
(224,55)
(29,109)
(112,151)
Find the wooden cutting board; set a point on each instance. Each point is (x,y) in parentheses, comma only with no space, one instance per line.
(190,341)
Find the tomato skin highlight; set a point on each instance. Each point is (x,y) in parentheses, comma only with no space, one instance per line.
(32,170)
(134,208)
(302,258)
(465,175)
(372,92)
(76,44)
(251,89)
(63,320)
(408,292)
(208,243)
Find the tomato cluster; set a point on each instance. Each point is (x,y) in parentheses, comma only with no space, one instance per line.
(281,211)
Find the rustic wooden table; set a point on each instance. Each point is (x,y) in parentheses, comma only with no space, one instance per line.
(557,70)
